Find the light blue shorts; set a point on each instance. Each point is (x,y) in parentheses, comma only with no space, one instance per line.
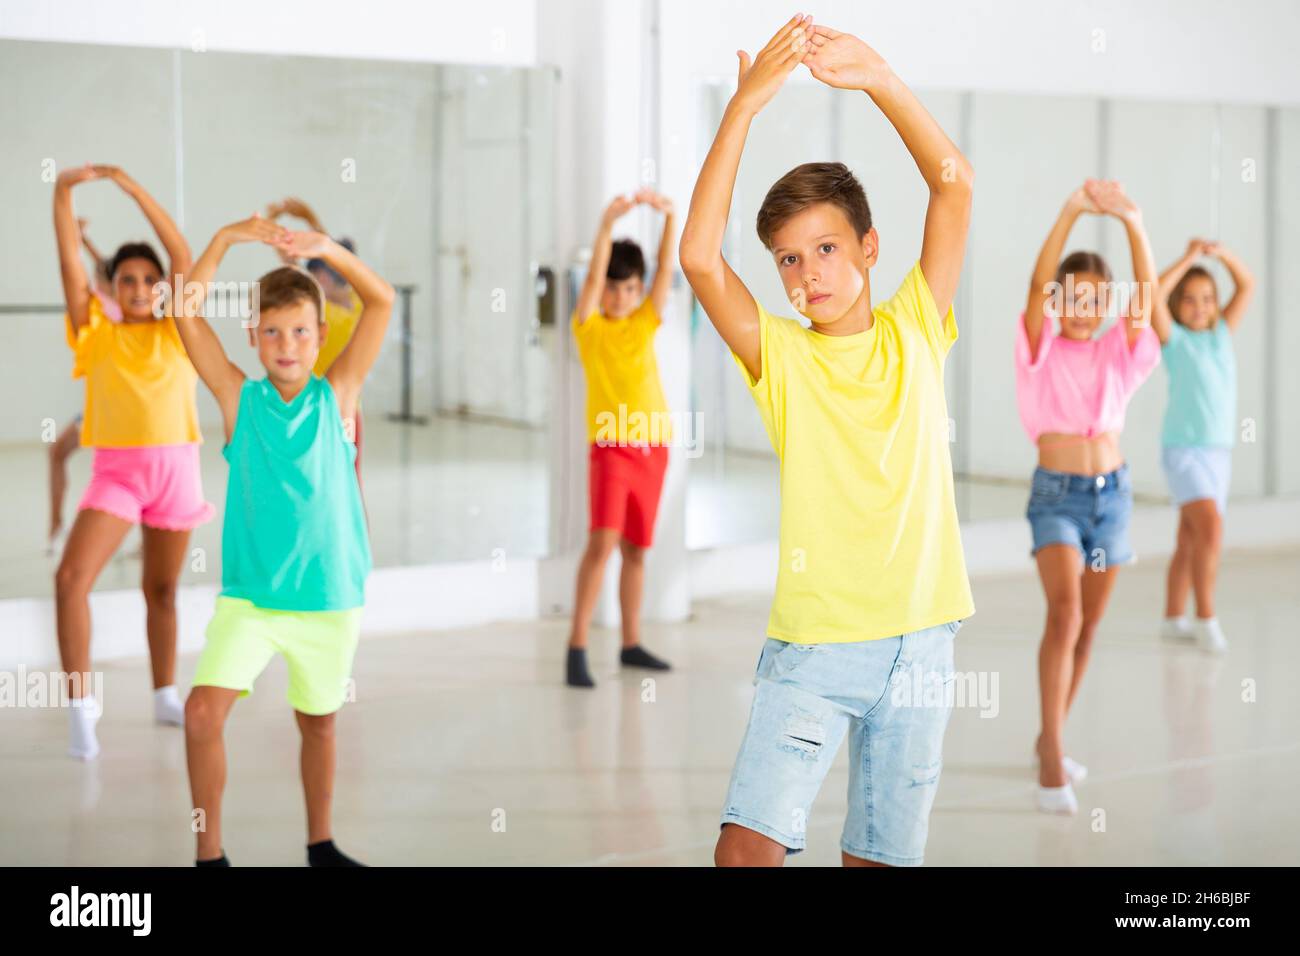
(1196,473)
(808,696)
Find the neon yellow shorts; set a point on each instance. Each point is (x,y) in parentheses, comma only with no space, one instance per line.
(317,645)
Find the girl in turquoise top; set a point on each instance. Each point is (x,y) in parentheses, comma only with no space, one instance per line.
(1199,429)
(294,549)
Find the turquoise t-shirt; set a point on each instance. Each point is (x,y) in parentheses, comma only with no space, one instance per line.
(294,537)
(1202,370)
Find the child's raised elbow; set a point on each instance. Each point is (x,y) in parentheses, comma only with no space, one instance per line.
(695,260)
(960,175)
(385,295)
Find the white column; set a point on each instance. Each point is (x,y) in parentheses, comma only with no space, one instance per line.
(600,138)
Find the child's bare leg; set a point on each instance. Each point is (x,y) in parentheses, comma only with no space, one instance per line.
(631,586)
(1207,539)
(1095,589)
(317,760)
(848,860)
(94,537)
(164,555)
(1059,567)
(1179,581)
(591,572)
(741,846)
(206,711)
(68,442)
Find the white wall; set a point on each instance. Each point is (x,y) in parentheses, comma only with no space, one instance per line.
(488,31)
(1194,50)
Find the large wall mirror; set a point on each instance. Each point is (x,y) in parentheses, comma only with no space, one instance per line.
(441,177)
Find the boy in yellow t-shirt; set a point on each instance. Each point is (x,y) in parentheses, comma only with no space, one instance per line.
(872,584)
(627,424)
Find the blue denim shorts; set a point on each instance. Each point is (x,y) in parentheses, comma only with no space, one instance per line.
(1090,512)
(807,697)
(1195,473)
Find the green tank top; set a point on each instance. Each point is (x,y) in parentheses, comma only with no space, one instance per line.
(294,536)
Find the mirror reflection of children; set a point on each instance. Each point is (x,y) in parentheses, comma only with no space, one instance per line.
(614,323)
(294,549)
(871,569)
(1073,389)
(1200,429)
(141,419)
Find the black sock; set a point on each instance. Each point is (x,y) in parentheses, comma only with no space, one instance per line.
(575,670)
(325,853)
(638,656)
(219,861)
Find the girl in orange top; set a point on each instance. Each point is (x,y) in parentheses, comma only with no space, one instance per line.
(140,418)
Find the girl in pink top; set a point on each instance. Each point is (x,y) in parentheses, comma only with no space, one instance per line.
(1073,387)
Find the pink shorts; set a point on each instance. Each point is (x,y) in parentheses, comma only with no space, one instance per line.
(155,485)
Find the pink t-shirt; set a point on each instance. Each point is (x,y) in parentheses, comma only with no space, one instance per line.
(1080,387)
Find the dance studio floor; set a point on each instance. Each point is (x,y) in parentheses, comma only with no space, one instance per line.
(464,748)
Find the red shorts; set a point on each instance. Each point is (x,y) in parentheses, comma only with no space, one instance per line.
(625,482)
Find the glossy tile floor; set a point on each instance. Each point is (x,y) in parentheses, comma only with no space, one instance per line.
(464,748)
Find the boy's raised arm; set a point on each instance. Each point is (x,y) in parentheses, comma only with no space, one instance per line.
(350,369)
(667,261)
(594,285)
(222,377)
(292,206)
(730,306)
(842,60)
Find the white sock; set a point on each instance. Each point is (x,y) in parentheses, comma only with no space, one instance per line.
(84,713)
(1057,799)
(1209,635)
(1074,770)
(168,708)
(1176,627)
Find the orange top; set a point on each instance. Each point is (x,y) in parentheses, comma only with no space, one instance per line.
(140,384)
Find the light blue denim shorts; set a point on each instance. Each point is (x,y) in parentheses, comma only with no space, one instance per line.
(1194,473)
(891,696)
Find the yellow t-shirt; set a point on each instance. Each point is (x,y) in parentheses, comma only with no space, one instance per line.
(870,546)
(340,323)
(625,400)
(139,382)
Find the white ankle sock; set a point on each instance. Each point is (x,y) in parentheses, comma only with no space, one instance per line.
(1209,635)
(1176,628)
(1057,799)
(84,712)
(168,708)
(1074,770)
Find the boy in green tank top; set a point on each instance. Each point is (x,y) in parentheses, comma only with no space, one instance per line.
(295,554)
